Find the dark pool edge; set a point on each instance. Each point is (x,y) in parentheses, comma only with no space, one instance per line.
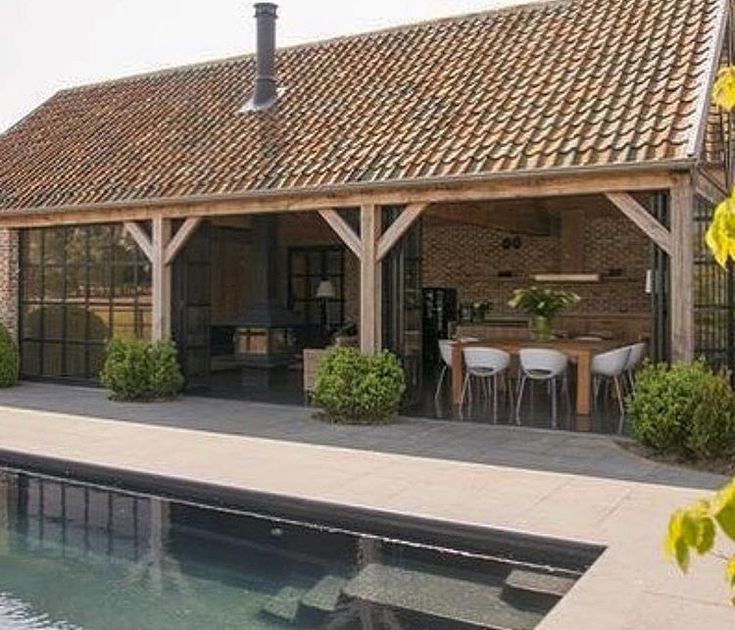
(518,546)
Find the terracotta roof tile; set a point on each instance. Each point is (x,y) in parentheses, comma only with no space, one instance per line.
(571,83)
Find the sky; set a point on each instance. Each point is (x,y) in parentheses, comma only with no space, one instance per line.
(48,45)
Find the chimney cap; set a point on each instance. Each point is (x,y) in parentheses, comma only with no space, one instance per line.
(270,8)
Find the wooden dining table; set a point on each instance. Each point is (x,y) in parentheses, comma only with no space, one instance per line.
(579,351)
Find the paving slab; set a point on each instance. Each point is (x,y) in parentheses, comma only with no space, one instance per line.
(529,448)
(631,585)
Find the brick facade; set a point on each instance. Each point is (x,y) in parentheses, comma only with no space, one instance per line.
(472,259)
(9,270)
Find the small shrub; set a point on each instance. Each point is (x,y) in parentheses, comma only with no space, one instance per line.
(356,389)
(686,410)
(137,370)
(9,359)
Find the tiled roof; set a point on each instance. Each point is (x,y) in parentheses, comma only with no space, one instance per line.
(572,83)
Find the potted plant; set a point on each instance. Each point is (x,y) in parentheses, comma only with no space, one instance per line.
(542,305)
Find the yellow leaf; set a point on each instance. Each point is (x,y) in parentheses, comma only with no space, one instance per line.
(723,91)
(720,236)
(730,572)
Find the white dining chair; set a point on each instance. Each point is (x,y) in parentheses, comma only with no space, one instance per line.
(445,353)
(485,365)
(610,366)
(545,365)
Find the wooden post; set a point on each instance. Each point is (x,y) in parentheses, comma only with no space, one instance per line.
(161,280)
(370,281)
(682,270)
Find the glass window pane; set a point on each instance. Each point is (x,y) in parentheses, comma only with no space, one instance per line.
(124,248)
(99,282)
(31,358)
(100,240)
(76,284)
(76,245)
(123,321)
(334,262)
(31,245)
(99,321)
(76,360)
(298,263)
(53,321)
(31,283)
(123,281)
(52,356)
(76,323)
(54,246)
(53,283)
(31,318)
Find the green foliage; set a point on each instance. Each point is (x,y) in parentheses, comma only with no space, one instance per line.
(9,359)
(693,530)
(542,302)
(356,389)
(141,371)
(687,410)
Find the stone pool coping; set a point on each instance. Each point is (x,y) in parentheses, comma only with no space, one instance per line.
(630,586)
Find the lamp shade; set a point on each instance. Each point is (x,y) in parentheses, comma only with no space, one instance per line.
(325,290)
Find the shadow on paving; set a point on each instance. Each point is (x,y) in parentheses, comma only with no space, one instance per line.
(534,449)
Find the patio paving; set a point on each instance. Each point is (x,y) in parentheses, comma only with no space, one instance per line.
(631,586)
(528,448)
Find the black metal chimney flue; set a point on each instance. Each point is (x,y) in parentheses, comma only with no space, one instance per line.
(265,55)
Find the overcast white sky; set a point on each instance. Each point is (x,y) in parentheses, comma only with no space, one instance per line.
(47,45)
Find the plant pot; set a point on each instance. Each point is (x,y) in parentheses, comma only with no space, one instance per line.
(541,327)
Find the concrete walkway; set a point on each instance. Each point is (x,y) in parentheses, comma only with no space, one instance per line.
(631,586)
(535,449)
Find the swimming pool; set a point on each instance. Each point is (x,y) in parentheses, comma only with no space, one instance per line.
(76,554)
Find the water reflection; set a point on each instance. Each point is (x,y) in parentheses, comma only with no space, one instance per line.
(82,556)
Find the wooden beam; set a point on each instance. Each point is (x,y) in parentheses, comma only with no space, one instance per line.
(161,281)
(181,237)
(643,219)
(141,238)
(682,271)
(343,230)
(370,285)
(492,187)
(710,186)
(398,228)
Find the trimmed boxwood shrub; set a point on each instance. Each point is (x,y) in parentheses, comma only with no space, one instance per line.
(9,359)
(685,409)
(142,371)
(353,388)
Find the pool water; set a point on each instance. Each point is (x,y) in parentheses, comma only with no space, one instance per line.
(80,556)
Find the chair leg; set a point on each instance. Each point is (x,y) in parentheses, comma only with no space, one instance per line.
(494,385)
(618,389)
(521,386)
(552,384)
(440,382)
(465,388)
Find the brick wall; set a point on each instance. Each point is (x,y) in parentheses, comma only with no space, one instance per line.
(9,269)
(472,259)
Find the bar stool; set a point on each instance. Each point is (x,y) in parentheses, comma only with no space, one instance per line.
(544,365)
(485,365)
(610,365)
